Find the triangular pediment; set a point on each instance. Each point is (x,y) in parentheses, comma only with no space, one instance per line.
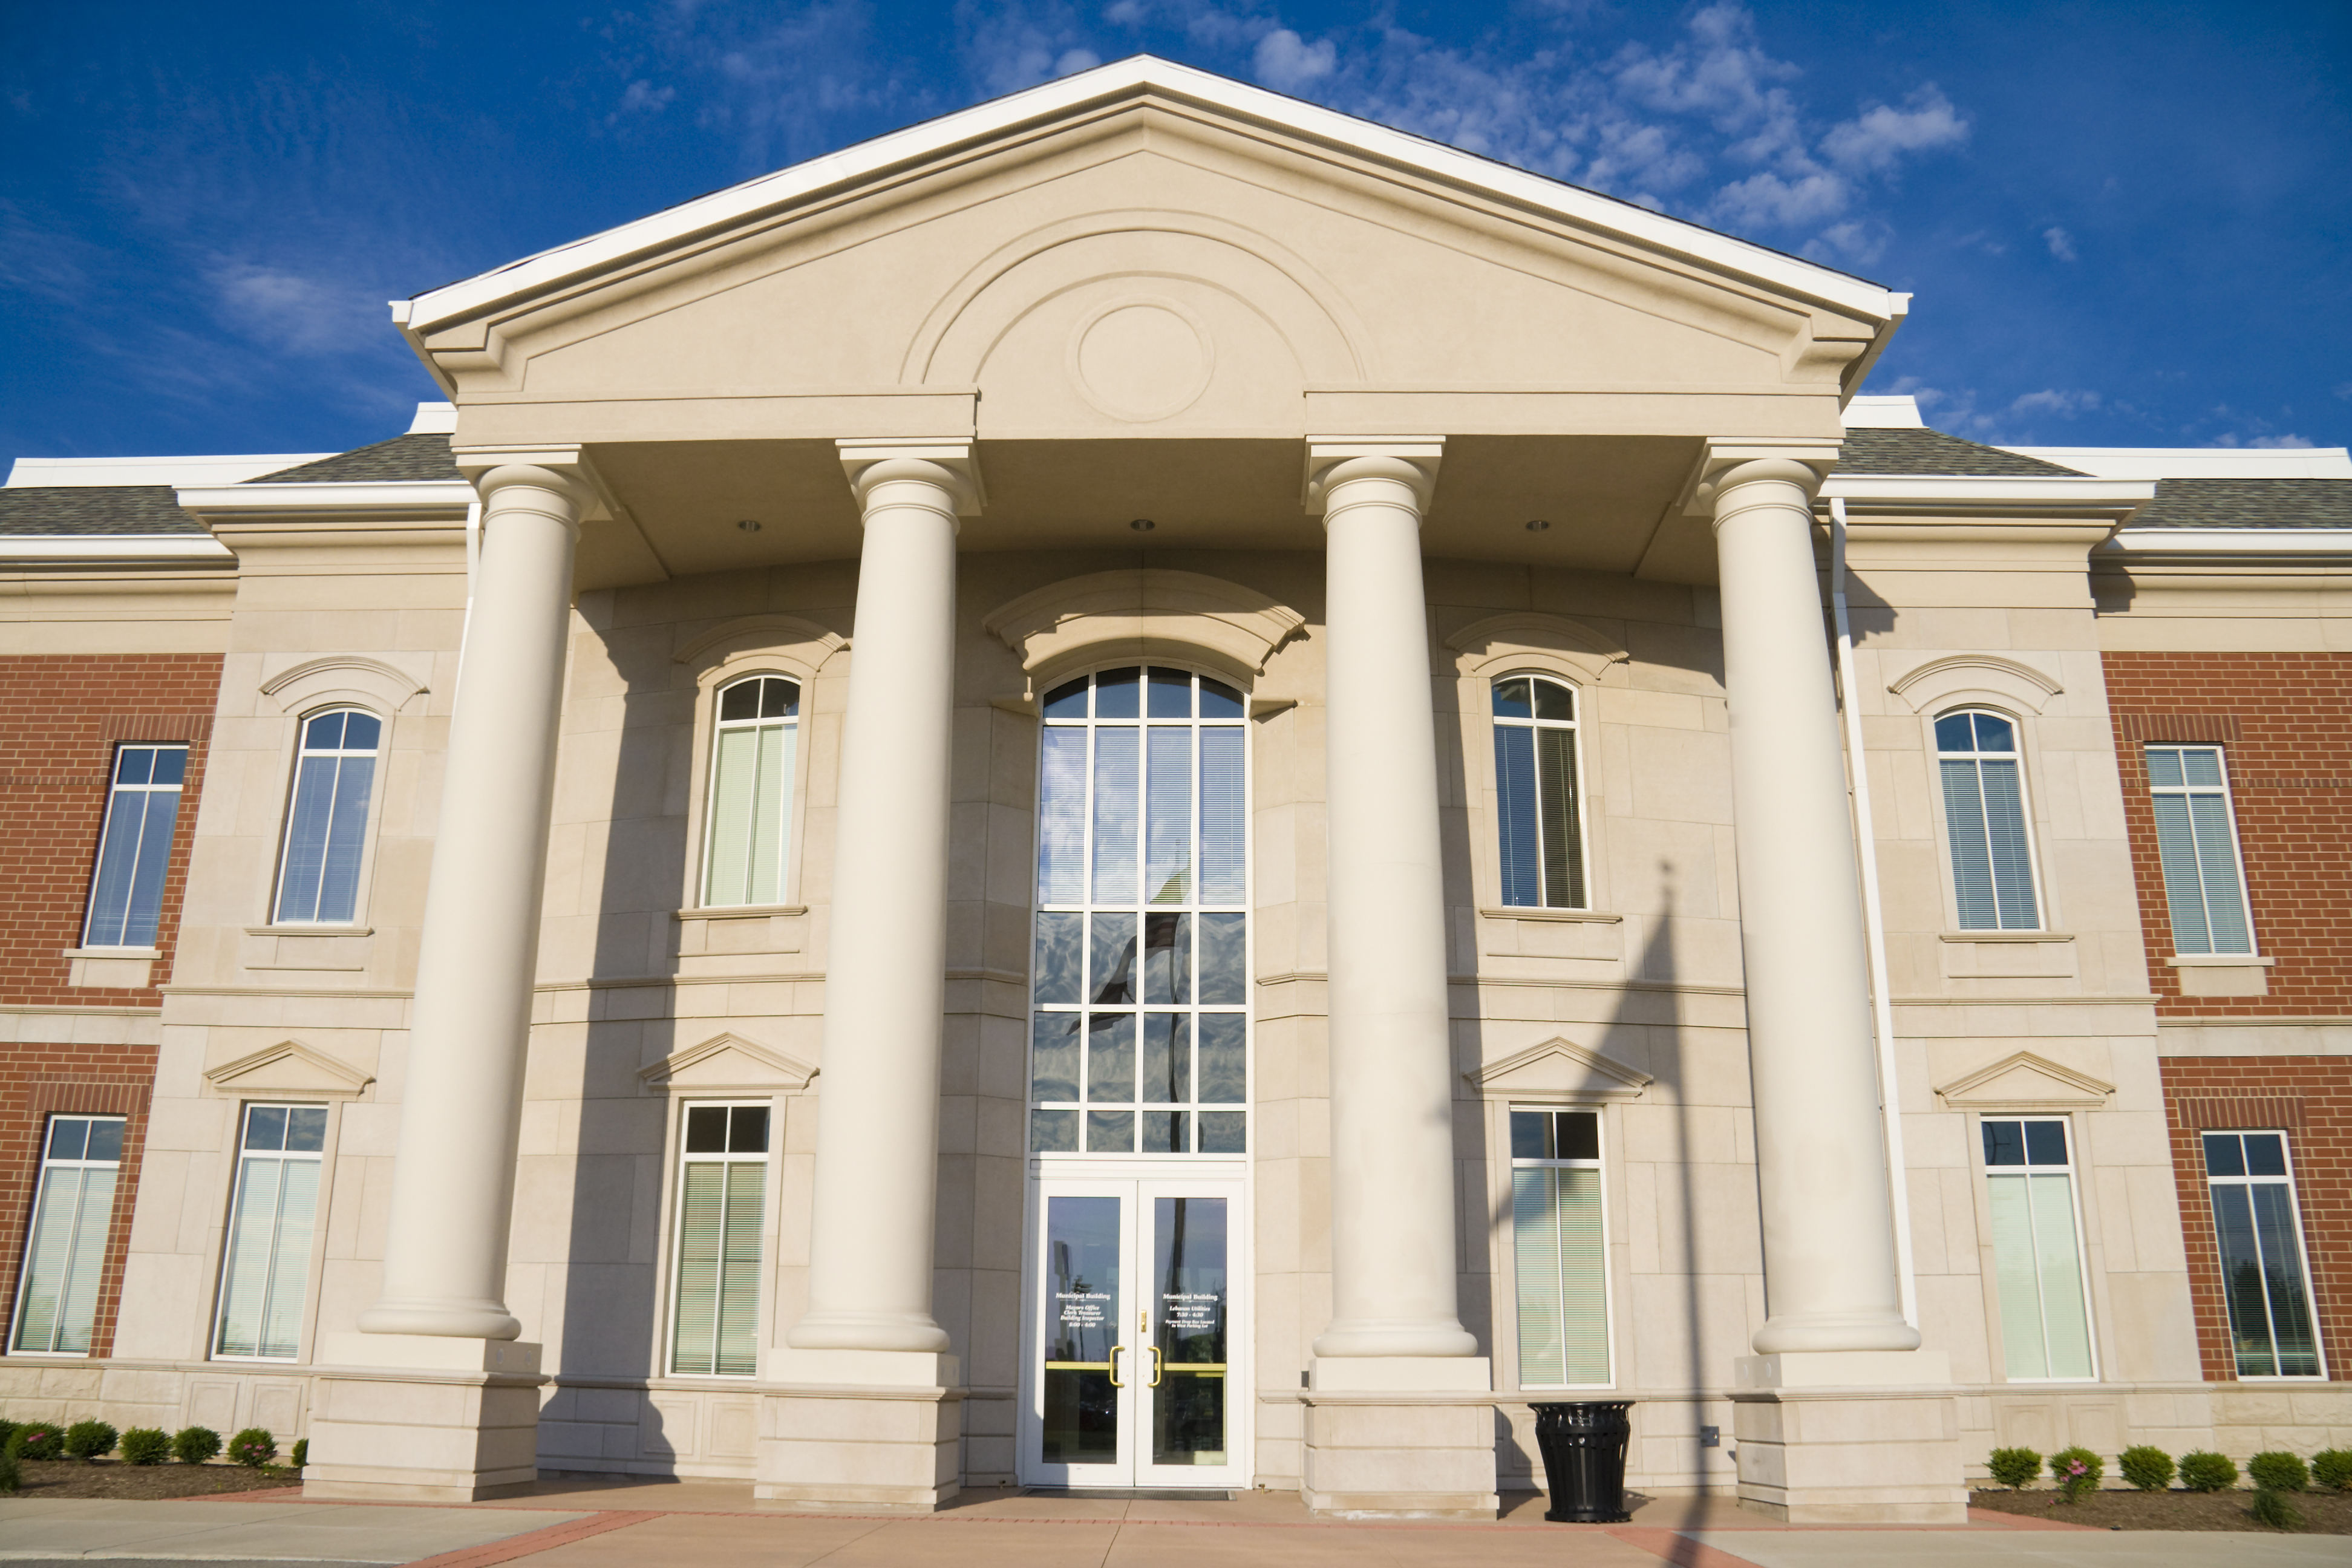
(291,1069)
(1559,1068)
(2025,1081)
(727,1063)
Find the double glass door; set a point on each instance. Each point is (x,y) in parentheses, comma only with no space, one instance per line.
(1136,1333)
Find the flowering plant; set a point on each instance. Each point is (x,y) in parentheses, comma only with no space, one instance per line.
(2076,1471)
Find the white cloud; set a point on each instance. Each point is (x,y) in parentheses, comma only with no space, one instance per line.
(2060,243)
(2266,443)
(1858,241)
(643,98)
(2052,400)
(1878,138)
(1773,201)
(306,315)
(1288,63)
(1073,61)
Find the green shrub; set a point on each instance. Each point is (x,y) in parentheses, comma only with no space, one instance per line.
(301,1454)
(2076,1471)
(2150,1469)
(12,1473)
(2279,1471)
(146,1445)
(195,1445)
(2207,1472)
(2332,1468)
(89,1440)
(38,1440)
(2012,1467)
(8,1430)
(2271,1508)
(253,1447)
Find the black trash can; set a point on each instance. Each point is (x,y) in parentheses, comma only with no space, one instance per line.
(1584,1459)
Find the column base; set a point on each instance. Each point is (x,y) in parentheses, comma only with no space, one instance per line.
(860,1431)
(1849,1437)
(1400,1437)
(421,1418)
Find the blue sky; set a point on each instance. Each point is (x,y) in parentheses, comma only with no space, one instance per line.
(2125,224)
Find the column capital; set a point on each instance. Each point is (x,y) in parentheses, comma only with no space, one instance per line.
(954,457)
(1412,459)
(1801,459)
(486,469)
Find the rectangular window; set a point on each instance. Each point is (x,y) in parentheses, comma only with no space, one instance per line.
(2046,1325)
(1539,826)
(2260,1233)
(1985,821)
(267,1274)
(2197,841)
(1558,1249)
(126,894)
(57,1302)
(751,828)
(722,1184)
(326,822)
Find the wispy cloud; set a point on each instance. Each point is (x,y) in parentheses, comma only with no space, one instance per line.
(2060,243)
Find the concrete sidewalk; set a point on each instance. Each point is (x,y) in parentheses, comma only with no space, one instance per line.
(631,1524)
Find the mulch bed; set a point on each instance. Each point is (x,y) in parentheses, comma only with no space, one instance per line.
(2324,1513)
(113,1478)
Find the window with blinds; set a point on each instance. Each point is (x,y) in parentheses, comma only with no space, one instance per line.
(2258,1231)
(1140,1026)
(1985,822)
(326,821)
(56,1303)
(2196,844)
(1537,802)
(266,1275)
(748,840)
(2046,1325)
(1559,1249)
(126,894)
(722,1184)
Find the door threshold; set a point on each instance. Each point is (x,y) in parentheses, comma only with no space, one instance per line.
(1136,1494)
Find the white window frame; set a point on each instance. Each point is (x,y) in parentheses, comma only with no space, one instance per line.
(1195,907)
(707,827)
(2075,1175)
(40,1190)
(363,881)
(106,836)
(324,1155)
(2303,1253)
(2237,851)
(1509,1286)
(2043,915)
(666,1348)
(1578,695)
(721,671)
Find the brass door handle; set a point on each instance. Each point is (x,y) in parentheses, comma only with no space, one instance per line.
(1114,1352)
(1155,1366)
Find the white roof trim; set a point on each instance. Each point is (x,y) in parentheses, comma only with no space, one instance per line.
(2235,540)
(408,495)
(111,547)
(1883,412)
(90,473)
(723,209)
(2198,462)
(2059,492)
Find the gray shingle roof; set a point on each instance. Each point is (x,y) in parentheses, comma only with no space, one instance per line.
(95,510)
(2249,504)
(414,456)
(1907,451)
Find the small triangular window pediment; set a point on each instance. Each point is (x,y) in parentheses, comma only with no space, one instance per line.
(288,1067)
(1559,1068)
(730,1064)
(2025,1081)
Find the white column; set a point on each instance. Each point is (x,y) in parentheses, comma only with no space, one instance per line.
(461,1104)
(1392,1228)
(1828,1249)
(878,1097)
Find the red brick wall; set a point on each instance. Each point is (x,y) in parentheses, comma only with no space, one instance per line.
(2311,1097)
(2285,722)
(60,718)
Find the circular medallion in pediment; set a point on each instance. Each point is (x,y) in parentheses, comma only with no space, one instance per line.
(1141,358)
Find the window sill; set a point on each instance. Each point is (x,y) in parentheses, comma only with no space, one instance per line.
(130,952)
(293,929)
(1530,912)
(738,912)
(2007,936)
(2219,961)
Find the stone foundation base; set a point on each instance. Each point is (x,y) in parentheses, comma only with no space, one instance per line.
(418,1418)
(1400,1437)
(859,1432)
(1849,1437)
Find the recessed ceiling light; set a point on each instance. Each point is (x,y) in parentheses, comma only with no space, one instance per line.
(1538,524)
(749,525)
(1143,525)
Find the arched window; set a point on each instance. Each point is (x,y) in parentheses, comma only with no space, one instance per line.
(1984,818)
(1140,1029)
(748,838)
(326,822)
(1539,807)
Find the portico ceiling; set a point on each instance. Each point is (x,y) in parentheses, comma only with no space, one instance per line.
(1139,291)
